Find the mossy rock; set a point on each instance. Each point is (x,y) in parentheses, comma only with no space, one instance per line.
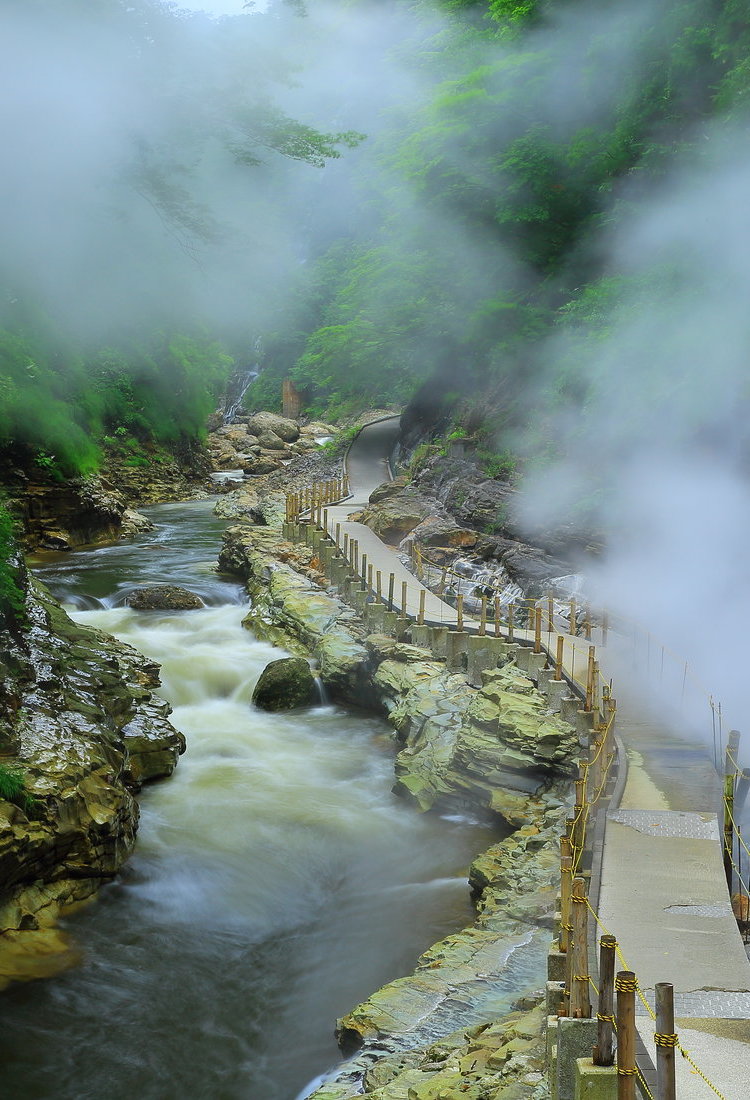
(163,597)
(285,685)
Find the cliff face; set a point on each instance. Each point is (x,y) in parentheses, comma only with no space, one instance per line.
(64,514)
(79,718)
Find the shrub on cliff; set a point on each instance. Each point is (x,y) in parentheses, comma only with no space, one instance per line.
(13,788)
(11,593)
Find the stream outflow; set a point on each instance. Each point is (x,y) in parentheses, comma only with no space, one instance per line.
(276,882)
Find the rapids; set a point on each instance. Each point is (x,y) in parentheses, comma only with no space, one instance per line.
(276,881)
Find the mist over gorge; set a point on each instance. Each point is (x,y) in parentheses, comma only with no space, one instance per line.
(513,233)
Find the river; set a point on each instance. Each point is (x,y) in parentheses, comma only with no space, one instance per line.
(276,881)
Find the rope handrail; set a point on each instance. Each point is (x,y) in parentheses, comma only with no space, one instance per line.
(599,765)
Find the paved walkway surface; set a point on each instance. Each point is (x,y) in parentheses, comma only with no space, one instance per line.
(663,890)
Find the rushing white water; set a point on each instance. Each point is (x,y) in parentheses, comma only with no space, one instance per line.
(277,881)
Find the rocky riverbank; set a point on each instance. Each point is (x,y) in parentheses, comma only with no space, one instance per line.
(493,749)
(79,719)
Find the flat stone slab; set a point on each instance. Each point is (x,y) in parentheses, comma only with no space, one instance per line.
(674,823)
(703,1005)
(719,1048)
(664,895)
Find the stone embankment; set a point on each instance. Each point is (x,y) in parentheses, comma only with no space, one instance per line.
(494,748)
(79,718)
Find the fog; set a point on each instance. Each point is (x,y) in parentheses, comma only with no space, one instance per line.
(125,201)
(657,448)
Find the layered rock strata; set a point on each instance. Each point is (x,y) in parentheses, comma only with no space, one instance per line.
(496,747)
(79,718)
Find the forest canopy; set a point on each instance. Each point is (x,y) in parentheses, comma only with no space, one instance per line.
(384,193)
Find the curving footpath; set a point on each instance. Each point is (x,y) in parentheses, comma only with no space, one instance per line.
(663,892)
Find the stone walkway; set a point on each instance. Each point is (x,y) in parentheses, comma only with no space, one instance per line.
(663,891)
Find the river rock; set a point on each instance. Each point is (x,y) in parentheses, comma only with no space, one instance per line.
(269,441)
(84,696)
(285,429)
(263,464)
(163,597)
(133,523)
(285,685)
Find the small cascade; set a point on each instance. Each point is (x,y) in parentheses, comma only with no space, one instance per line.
(238,387)
(240,381)
(323,700)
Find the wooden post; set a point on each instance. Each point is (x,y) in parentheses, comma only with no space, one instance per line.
(391,581)
(604,1051)
(379,584)
(666,1041)
(363,570)
(580,1001)
(590,680)
(537,630)
(497,616)
(728,829)
(579,812)
(422,595)
(559,657)
(626,1072)
(730,775)
(566,889)
(346,546)
(338,534)
(587,623)
(403,597)
(460,612)
(355,555)
(325,520)
(511,608)
(483,617)
(369,577)
(550,613)
(740,792)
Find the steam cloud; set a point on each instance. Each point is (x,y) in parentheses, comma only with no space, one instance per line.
(107,120)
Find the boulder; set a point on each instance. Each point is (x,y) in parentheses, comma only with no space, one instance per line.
(442,531)
(395,515)
(262,465)
(163,597)
(285,429)
(269,441)
(285,685)
(134,523)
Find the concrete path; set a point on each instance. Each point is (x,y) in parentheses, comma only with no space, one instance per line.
(663,890)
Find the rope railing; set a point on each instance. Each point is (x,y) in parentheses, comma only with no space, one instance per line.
(527,621)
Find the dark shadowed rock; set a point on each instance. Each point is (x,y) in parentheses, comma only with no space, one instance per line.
(163,597)
(285,685)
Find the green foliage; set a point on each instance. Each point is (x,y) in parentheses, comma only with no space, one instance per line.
(11,593)
(503,465)
(59,404)
(340,442)
(498,523)
(13,788)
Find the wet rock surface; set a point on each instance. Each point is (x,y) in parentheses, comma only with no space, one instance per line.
(79,710)
(285,685)
(163,597)
(440,1032)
